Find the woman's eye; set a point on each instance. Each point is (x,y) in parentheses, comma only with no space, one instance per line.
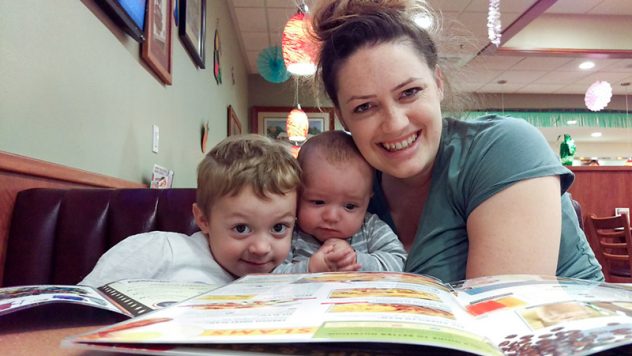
(362,108)
(241,228)
(350,207)
(279,228)
(410,92)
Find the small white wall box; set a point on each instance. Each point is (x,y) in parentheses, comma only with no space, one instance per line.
(621,211)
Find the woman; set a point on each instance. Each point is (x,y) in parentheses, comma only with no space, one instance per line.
(467,198)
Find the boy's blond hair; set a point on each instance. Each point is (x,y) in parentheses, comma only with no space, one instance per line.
(336,146)
(246,160)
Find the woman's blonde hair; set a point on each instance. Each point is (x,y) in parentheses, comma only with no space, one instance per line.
(246,160)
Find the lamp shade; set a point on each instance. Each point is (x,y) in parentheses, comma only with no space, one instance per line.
(297,125)
(598,95)
(298,48)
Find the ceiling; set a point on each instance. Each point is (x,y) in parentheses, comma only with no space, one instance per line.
(543,41)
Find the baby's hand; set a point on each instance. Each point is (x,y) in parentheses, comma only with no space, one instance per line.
(334,255)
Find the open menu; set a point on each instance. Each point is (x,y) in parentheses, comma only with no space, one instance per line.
(510,314)
(129,297)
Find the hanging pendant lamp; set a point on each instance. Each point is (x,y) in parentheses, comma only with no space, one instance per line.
(298,48)
(297,123)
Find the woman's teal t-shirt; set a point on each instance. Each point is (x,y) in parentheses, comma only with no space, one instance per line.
(476,159)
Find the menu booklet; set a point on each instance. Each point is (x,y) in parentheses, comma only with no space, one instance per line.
(383,312)
(129,297)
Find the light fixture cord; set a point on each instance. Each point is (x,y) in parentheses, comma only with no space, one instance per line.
(298,105)
(302,6)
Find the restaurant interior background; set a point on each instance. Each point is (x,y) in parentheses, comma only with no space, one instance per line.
(77,92)
(533,74)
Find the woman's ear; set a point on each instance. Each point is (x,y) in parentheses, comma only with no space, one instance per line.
(200,219)
(439,79)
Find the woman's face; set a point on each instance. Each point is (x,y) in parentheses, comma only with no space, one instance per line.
(389,99)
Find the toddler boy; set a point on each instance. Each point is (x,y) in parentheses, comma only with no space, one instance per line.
(245,208)
(335,232)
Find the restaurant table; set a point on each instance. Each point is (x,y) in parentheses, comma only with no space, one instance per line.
(39,330)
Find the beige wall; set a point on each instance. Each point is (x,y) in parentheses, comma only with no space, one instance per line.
(74,91)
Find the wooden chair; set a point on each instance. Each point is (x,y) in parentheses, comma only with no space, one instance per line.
(612,235)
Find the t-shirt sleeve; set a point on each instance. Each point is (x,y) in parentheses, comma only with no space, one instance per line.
(506,152)
(139,256)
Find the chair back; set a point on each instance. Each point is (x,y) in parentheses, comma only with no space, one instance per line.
(612,235)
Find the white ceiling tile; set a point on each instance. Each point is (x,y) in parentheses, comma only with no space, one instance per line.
(251,19)
(560,77)
(260,24)
(520,77)
(540,88)
(255,41)
(247,3)
(500,88)
(277,18)
(610,77)
(478,76)
(612,7)
(505,6)
(541,63)
(494,62)
(281,3)
(571,7)
(449,5)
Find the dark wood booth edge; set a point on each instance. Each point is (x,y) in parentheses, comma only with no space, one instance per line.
(18,173)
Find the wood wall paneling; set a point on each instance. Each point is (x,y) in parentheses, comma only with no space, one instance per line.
(599,190)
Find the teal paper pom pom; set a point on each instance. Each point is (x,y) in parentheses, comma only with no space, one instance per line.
(271,66)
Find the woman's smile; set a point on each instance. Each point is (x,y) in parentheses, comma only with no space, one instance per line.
(401,144)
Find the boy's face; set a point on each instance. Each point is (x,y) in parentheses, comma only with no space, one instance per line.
(334,198)
(248,234)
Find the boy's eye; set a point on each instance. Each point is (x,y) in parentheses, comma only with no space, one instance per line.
(350,206)
(318,202)
(241,228)
(279,228)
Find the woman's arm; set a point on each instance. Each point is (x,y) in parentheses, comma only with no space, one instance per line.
(517,230)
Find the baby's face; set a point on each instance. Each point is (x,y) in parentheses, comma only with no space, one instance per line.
(248,234)
(334,199)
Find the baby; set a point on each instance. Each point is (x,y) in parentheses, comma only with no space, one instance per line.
(335,232)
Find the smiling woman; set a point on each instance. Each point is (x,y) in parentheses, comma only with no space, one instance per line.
(449,188)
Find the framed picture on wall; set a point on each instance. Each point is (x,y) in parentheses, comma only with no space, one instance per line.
(192,28)
(127,14)
(156,49)
(270,121)
(234,126)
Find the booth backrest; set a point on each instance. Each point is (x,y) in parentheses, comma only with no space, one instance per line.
(57,235)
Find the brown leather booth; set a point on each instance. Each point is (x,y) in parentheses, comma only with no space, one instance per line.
(57,235)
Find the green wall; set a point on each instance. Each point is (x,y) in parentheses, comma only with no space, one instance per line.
(74,91)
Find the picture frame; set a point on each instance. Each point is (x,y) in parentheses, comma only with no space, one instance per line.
(127,14)
(192,29)
(270,121)
(234,125)
(156,49)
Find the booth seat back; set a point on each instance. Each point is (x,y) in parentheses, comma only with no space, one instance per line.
(57,235)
